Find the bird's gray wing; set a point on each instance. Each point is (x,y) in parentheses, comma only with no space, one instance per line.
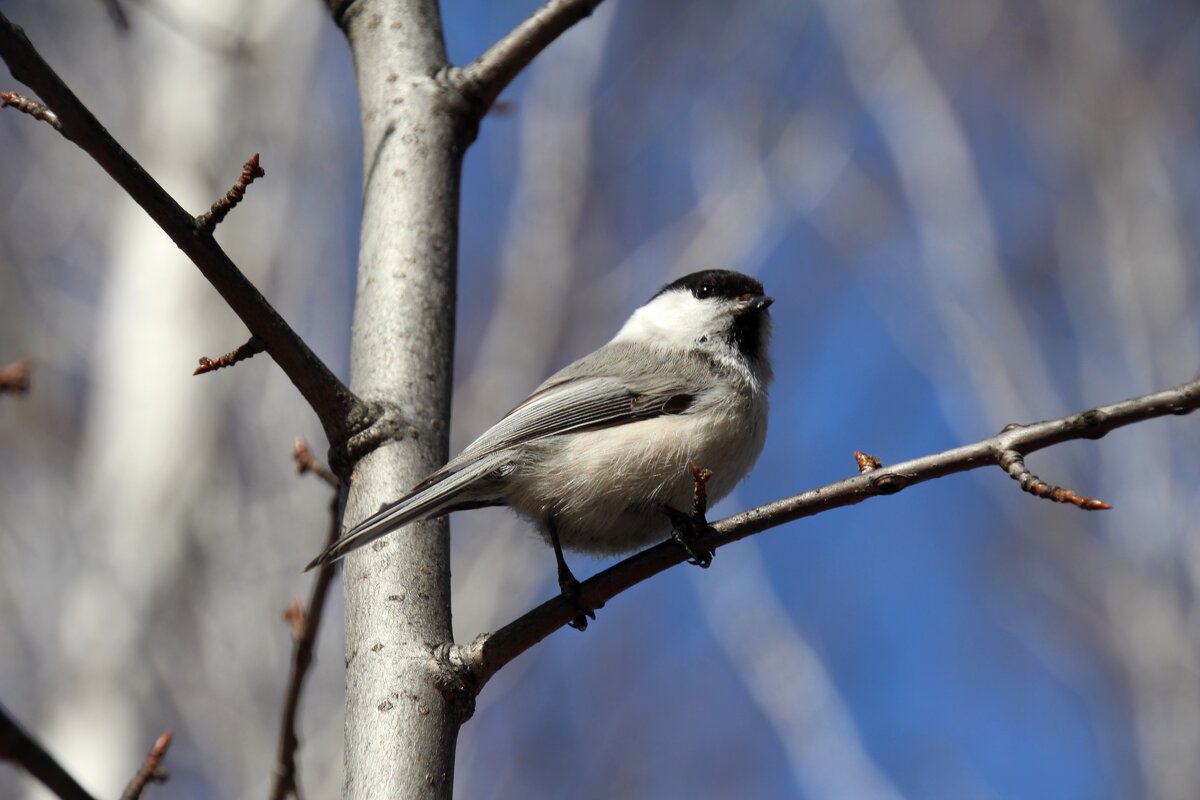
(571,405)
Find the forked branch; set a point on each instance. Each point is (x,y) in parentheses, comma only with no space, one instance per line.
(330,399)
(487,76)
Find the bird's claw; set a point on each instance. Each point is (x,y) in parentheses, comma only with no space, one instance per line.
(685,530)
(568,587)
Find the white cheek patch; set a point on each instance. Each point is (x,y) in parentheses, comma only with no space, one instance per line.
(675,317)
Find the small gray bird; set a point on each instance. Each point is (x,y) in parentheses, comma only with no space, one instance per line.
(599,456)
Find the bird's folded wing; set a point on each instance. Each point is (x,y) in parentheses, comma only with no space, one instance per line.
(573,405)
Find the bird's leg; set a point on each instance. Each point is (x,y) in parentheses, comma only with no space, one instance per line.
(568,585)
(686,528)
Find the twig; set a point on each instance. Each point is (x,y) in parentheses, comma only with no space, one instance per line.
(221,208)
(1012,462)
(31,107)
(307,462)
(487,76)
(294,616)
(19,747)
(306,623)
(866,462)
(489,652)
(333,402)
(14,377)
(152,770)
(700,492)
(251,348)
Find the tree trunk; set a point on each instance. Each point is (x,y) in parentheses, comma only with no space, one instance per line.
(400,730)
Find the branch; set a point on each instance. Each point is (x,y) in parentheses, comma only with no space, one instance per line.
(152,770)
(489,652)
(329,398)
(18,747)
(487,76)
(14,377)
(304,624)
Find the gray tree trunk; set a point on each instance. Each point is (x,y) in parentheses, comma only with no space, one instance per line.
(400,731)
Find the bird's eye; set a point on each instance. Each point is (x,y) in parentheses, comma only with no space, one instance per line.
(704,290)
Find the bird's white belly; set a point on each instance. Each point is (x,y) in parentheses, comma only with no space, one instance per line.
(585,481)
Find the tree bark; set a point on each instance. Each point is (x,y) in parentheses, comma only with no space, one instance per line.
(400,729)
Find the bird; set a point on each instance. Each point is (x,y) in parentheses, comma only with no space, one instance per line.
(601,456)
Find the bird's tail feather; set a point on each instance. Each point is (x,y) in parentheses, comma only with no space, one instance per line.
(420,504)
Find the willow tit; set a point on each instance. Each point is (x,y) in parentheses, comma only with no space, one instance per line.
(599,456)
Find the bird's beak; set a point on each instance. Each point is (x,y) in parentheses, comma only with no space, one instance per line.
(756,303)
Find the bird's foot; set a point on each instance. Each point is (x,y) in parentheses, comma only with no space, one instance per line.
(568,587)
(685,530)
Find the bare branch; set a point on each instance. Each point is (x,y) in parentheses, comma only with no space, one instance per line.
(18,747)
(14,377)
(487,76)
(152,770)
(332,401)
(489,652)
(31,107)
(304,623)
(307,462)
(220,209)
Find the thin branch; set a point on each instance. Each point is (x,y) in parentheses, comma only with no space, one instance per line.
(489,652)
(304,623)
(18,747)
(152,770)
(250,349)
(307,462)
(14,377)
(1012,462)
(221,208)
(332,401)
(31,107)
(487,76)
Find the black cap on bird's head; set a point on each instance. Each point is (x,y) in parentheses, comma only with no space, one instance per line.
(750,324)
(719,283)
